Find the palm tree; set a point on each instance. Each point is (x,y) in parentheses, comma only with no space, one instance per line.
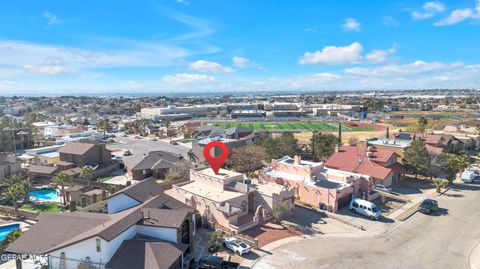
(25,186)
(87,172)
(12,236)
(439,183)
(62,180)
(12,193)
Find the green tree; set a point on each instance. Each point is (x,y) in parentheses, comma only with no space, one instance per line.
(11,237)
(422,123)
(104,125)
(323,145)
(12,193)
(215,240)
(25,186)
(87,172)
(417,158)
(280,210)
(439,183)
(285,145)
(62,180)
(247,159)
(454,164)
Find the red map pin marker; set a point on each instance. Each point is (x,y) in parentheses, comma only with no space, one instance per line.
(217,162)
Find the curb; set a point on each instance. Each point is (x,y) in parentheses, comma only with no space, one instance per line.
(332,216)
(474,264)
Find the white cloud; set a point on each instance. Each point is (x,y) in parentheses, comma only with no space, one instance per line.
(187,78)
(351,54)
(411,68)
(240,61)
(184,2)
(52,18)
(351,24)
(429,10)
(461,14)
(46,69)
(128,53)
(390,21)
(456,16)
(331,55)
(379,56)
(6,84)
(310,30)
(327,76)
(210,67)
(134,84)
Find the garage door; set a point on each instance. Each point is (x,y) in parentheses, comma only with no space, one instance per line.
(343,202)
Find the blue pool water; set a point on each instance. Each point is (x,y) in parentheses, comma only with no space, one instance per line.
(44,194)
(5,230)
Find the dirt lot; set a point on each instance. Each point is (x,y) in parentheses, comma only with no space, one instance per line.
(269,232)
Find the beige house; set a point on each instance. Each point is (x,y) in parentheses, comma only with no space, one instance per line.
(230,200)
(8,165)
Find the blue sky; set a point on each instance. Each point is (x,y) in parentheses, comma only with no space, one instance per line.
(87,46)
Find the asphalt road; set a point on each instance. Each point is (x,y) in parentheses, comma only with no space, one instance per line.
(443,240)
(142,146)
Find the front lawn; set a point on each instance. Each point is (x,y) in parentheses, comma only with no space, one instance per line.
(42,208)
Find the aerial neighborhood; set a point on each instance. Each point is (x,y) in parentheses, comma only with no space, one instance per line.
(126,183)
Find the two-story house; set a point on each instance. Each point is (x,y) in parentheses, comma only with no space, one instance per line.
(380,164)
(230,200)
(143,228)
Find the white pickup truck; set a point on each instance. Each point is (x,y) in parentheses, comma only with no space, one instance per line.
(470,176)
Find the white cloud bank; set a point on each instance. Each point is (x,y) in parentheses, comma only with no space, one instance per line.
(429,10)
(209,67)
(460,15)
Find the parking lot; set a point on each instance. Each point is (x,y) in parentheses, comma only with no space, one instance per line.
(142,146)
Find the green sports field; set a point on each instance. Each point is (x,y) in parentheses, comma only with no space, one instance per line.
(301,126)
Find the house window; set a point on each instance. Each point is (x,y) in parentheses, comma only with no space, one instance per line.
(99,247)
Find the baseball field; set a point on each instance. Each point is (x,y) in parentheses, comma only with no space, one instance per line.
(299,126)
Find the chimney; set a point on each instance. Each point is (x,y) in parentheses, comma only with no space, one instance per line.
(297,159)
(336,148)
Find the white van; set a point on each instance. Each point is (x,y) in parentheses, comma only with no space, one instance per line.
(469,176)
(365,208)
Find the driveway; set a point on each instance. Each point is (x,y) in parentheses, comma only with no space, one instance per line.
(445,239)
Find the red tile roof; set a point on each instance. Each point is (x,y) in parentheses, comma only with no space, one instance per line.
(353,159)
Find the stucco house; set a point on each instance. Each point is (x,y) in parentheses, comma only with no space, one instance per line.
(143,229)
(380,164)
(317,185)
(230,200)
(8,165)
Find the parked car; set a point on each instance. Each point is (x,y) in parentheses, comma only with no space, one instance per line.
(428,206)
(236,245)
(173,142)
(380,187)
(366,208)
(127,152)
(213,262)
(469,176)
(124,135)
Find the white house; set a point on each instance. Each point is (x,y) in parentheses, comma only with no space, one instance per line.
(143,229)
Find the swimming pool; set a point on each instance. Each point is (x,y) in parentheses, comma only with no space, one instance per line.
(44,194)
(5,230)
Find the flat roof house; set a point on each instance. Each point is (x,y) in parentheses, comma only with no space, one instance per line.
(143,229)
(229,200)
(317,185)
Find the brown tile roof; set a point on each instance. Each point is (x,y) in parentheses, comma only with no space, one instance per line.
(152,160)
(53,232)
(76,148)
(141,254)
(42,169)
